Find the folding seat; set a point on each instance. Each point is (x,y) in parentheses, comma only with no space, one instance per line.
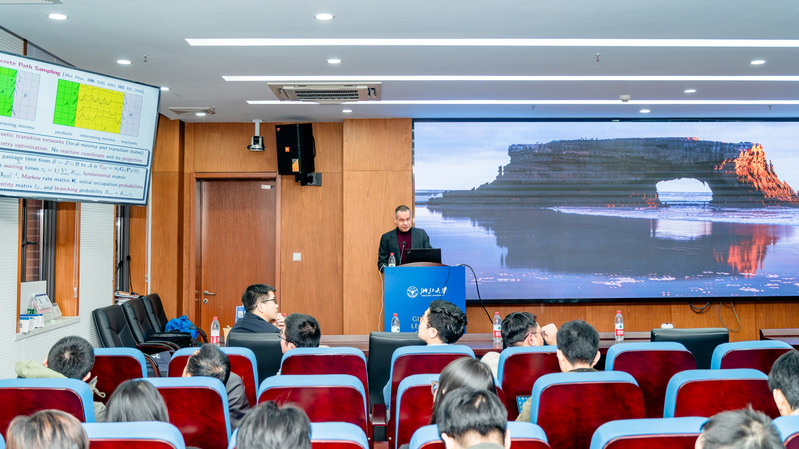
(523,435)
(242,362)
(519,368)
(198,407)
(700,341)
(339,360)
(651,433)
(412,409)
(707,392)
(571,406)
(157,316)
(112,366)
(337,435)
(758,354)
(324,397)
(652,365)
(132,435)
(27,396)
(266,348)
(788,427)
(144,332)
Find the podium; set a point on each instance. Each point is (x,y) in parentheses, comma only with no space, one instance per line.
(409,289)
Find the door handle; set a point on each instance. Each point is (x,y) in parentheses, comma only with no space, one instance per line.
(207,293)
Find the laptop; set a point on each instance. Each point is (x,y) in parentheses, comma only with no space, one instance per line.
(423,255)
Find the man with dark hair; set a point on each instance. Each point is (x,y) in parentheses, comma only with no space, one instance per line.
(270,426)
(70,357)
(469,418)
(578,352)
(442,323)
(739,429)
(783,380)
(261,314)
(404,236)
(210,361)
(300,331)
(521,329)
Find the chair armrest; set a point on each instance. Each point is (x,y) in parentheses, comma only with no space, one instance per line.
(174,347)
(153,347)
(202,335)
(378,415)
(153,365)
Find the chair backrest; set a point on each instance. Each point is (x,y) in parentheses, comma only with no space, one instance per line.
(707,392)
(523,435)
(700,341)
(112,327)
(337,435)
(409,360)
(412,409)
(571,406)
(242,362)
(266,348)
(326,361)
(324,397)
(519,367)
(757,354)
(27,396)
(198,407)
(381,347)
(155,311)
(788,426)
(131,435)
(652,433)
(112,366)
(652,365)
(137,319)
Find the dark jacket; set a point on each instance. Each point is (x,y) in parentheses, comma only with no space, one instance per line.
(389,244)
(254,324)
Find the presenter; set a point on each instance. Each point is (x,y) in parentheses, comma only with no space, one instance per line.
(403,237)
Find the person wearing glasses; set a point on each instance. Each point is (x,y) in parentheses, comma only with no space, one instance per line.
(261,315)
(521,329)
(300,331)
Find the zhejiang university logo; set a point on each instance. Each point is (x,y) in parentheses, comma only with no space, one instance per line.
(412,291)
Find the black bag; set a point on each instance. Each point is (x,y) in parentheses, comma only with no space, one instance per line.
(182,339)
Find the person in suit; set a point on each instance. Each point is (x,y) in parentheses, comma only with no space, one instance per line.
(404,236)
(261,311)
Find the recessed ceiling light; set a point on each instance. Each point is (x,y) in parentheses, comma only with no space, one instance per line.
(57,16)
(690,91)
(758,62)
(323,16)
(164,88)
(123,62)
(200,114)
(334,61)
(346,111)
(644,111)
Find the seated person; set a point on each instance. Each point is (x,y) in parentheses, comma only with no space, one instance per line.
(739,429)
(136,400)
(783,380)
(46,429)
(300,331)
(210,361)
(578,351)
(463,372)
(270,426)
(521,329)
(261,315)
(469,418)
(71,357)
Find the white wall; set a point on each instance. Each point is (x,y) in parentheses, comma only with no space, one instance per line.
(96,282)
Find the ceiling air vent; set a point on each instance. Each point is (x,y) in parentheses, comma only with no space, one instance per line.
(193,109)
(326,92)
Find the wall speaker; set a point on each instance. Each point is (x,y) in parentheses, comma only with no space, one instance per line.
(295,148)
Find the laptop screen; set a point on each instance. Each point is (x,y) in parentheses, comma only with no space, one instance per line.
(423,255)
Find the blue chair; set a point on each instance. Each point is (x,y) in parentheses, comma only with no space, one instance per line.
(788,426)
(339,360)
(412,409)
(652,433)
(152,434)
(519,367)
(757,354)
(337,435)
(27,396)
(523,435)
(707,392)
(198,407)
(112,366)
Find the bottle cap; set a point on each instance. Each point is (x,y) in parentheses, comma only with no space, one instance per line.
(392,254)
(216,318)
(618,311)
(395,314)
(496,313)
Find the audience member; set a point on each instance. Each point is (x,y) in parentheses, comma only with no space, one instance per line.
(210,361)
(463,372)
(442,323)
(739,429)
(270,426)
(578,351)
(300,331)
(136,400)
(46,429)
(469,418)
(784,383)
(70,357)
(261,315)
(521,329)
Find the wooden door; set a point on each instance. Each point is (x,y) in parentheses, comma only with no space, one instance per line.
(238,244)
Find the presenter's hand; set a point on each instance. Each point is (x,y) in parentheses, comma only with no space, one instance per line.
(550,334)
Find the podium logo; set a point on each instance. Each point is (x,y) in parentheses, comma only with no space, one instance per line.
(412,292)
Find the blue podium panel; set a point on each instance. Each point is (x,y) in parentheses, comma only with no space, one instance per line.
(410,290)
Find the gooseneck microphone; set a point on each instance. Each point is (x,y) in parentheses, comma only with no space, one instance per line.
(402,253)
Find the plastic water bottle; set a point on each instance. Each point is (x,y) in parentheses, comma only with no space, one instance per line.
(497,329)
(392,262)
(395,323)
(215,331)
(619,327)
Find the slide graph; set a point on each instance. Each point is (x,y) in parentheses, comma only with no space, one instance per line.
(18,93)
(90,107)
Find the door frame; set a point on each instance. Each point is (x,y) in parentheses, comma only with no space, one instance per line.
(194,310)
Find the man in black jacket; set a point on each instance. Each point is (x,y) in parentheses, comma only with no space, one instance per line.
(262,316)
(403,237)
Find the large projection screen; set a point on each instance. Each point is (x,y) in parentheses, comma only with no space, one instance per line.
(72,135)
(554,211)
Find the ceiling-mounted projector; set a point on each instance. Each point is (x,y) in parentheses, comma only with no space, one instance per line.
(257,141)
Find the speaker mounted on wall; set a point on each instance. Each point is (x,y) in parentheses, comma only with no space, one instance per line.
(296,150)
